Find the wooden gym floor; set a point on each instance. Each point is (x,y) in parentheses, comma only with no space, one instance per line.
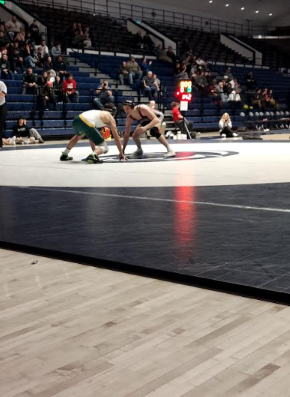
(74,330)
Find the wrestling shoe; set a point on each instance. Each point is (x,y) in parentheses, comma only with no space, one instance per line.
(65,157)
(169,154)
(93,159)
(138,153)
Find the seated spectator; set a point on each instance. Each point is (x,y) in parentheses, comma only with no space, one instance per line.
(234,95)
(148,43)
(24,134)
(51,75)
(220,90)
(144,66)
(200,62)
(225,125)
(104,96)
(157,82)
(60,67)
(251,83)
(20,37)
(161,54)
(134,70)
(13,27)
(138,39)
(183,73)
(44,48)
(272,100)
(123,72)
(229,74)
(48,64)
(87,39)
(149,85)
(29,82)
(184,125)
(3,40)
(28,56)
(56,51)
(212,92)
(70,89)
(16,58)
(257,98)
(170,53)
(201,82)
(5,71)
(39,58)
(57,85)
(45,94)
(35,33)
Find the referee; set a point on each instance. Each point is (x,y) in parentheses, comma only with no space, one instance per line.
(3,110)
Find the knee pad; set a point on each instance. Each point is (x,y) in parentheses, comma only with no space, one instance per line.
(104,147)
(154,132)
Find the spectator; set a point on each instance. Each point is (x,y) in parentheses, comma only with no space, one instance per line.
(229,74)
(181,121)
(144,66)
(157,82)
(257,98)
(138,39)
(87,40)
(57,85)
(16,58)
(20,37)
(134,70)
(149,85)
(161,54)
(39,58)
(56,51)
(226,126)
(3,40)
(6,73)
(29,82)
(183,73)
(24,134)
(201,82)
(34,30)
(170,53)
(44,48)
(220,90)
(201,63)
(212,92)
(28,56)
(184,48)
(3,110)
(272,100)
(123,72)
(148,43)
(104,96)
(60,67)
(48,64)
(13,27)
(251,83)
(70,89)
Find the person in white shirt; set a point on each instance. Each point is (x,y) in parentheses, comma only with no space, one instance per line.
(13,27)
(226,126)
(3,110)
(88,124)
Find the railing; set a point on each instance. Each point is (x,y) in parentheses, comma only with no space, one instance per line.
(119,10)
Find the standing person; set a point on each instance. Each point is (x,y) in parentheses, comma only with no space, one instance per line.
(3,110)
(88,123)
(147,121)
(226,126)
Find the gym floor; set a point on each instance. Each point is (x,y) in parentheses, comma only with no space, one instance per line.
(216,216)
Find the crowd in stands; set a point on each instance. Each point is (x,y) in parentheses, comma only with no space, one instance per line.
(24,50)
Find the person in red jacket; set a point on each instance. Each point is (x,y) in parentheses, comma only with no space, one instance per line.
(69,87)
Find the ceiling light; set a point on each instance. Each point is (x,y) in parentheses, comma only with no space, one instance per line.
(210,1)
(257,11)
(242,8)
(270,14)
(227,4)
